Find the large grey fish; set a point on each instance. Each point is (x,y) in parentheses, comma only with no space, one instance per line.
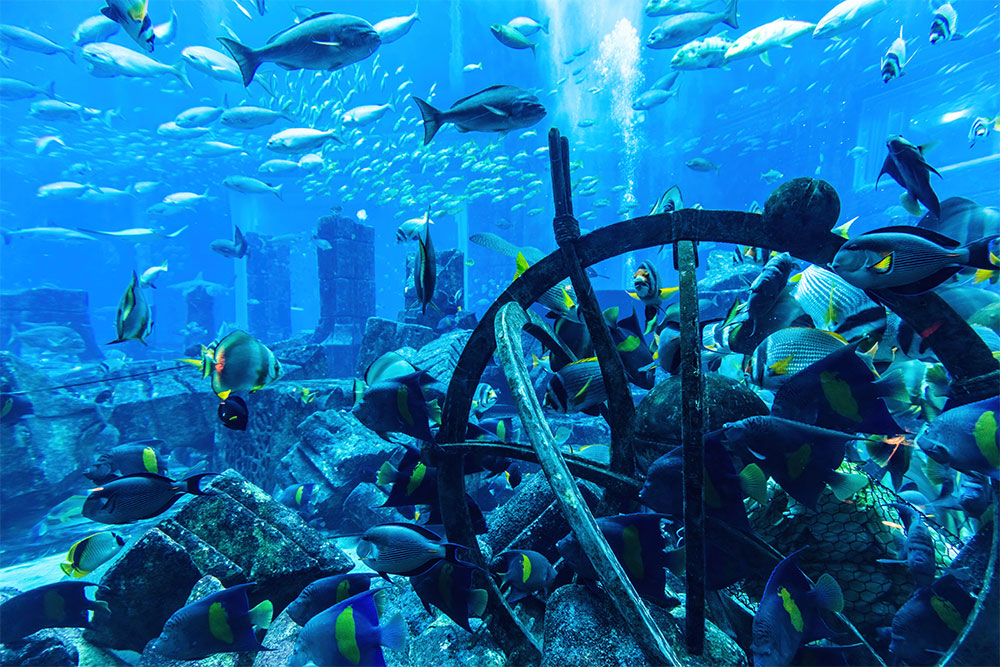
(237,248)
(105,60)
(494,109)
(134,320)
(963,220)
(406,549)
(323,41)
(681,29)
(908,260)
(12,35)
(906,165)
(15,89)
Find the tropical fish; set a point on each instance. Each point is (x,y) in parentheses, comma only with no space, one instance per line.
(788,615)
(234,414)
(396,405)
(132,17)
(835,305)
(982,127)
(638,543)
(221,622)
(668,202)
(133,321)
(296,496)
(404,548)
(906,164)
(894,59)
(803,459)
(448,587)
(323,593)
(526,572)
(682,28)
(841,392)
(139,496)
(966,438)
(13,407)
(323,41)
(60,605)
(238,362)
(410,229)
(646,282)
(577,387)
(918,549)
(909,260)
(484,398)
(425,270)
(494,109)
(928,623)
(91,552)
(349,633)
(127,459)
(788,351)
(944,24)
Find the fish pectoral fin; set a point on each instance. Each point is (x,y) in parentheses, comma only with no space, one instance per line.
(495,111)
(337,44)
(884,265)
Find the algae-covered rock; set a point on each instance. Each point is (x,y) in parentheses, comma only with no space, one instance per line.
(143,588)
(270,542)
(583,628)
(382,335)
(658,416)
(440,356)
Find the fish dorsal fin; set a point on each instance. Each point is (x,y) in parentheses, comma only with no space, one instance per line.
(469,97)
(296,25)
(932,236)
(420,530)
(889,167)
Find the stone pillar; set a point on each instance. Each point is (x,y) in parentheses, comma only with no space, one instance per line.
(201,313)
(345,254)
(269,289)
(50,305)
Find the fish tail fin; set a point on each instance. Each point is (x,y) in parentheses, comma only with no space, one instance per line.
(386,475)
(545,25)
(244,56)
(69,54)
(192,484)
(533,52)
(432,119)
(13,334)
(180,71)
(67,568)
(106,116)
(845,485)
(393,633)
(477,601)
(277,191)
(981,254)
(731,17)
(50,90)
(910,203)
(261,615)
(828,594)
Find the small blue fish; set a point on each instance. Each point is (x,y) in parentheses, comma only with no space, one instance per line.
(323,593)
(349,633)
(222,622)
(788,615)
(59,605)
(527,572)
(966,438)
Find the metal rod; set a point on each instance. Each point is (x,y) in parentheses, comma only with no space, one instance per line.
(510,320)
(691,439)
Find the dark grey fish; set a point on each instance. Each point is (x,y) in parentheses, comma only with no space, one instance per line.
(237,248)
(425,271)
(139,496)
(323,41)
(906,165)
(963,220)
(495,109)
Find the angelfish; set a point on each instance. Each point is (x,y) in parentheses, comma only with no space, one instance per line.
(943,27)
(425,270)
(131,15)
(894,59)
(134,321)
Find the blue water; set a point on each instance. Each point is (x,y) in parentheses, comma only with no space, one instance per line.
(800,116)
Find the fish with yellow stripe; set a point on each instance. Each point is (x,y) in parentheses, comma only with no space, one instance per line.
(91,552)
(558,298)
(63,604)
(448,586)
(238,362)
(638,542)
(134,319)
(929,622)
(577,387)
(843,393)
(836,305)
(788,351)
(398,405)
(326,592)
(132,16)
(221,622)
(648,290)
(788,615)
(127,459)
(526,572)
(966,438)
(350,633)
